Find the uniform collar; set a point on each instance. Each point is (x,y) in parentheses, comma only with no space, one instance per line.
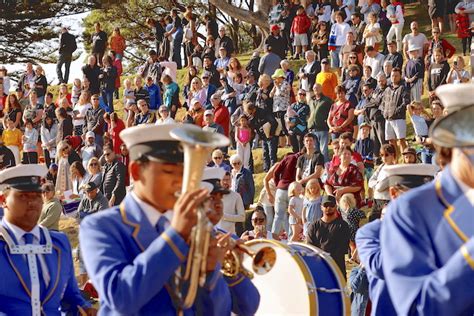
(468,191)
(151,213)
(18,232)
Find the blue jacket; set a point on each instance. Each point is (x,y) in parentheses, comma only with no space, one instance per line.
(368,246)
(360,291)
(155,96)
(15,285)
(244,185)
(131,267)
(427,244)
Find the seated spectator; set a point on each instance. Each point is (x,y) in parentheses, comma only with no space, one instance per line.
(458,74)
(259,231)
(145,116)
(155,94)
(209,124)
(218,161)
(52,208)
(52,174)
(195,114)
(410,156)
(346,178)
(164,116)
(94,171)
(79,178)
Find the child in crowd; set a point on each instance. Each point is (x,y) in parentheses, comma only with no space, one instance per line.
(463,30)
(311,204)
(128,96)
(30,140)
(352,215)
(290,77)
(243,135)
(295,208)
(154,93)
(76,90)
(365,147)
(418,117)
(12,137)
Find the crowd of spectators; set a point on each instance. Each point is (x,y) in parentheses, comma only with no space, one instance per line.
(342,114)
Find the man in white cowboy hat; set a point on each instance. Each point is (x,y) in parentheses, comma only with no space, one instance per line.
(144,241)
(427,236)
(36,264)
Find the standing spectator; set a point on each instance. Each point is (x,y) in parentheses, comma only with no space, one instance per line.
(209,124)
(12,111)
(208,64)
(396,58)
(320,40)
(310,164)
(52,208)
(171,95)
(113,180)
(108,75)
(5,79)
(414,74)
(243,137)
(295,209)
(320,106)
(285,22)
(365,147)
(352,215)
(269,62)
(277,41)
(211,26)
(463,31)
(79,177)
(394,105)
(311,204)
(330,232)
(145,116)
(99,43)
(263,100)
(370,7)
(352,84)
(30,140)
(117,43)
(296,117)
(94,173)
(281,98)
(396,16)
(307,73)
(208,87)
(91,72)
(225,41)
(63,181)
(341,115)
(177,33)
(242,183)
(158,32)
(284,174)
(65,127)
(437,42)
(415,38)
(49,131)
(419,119)
(372,33)
(63,93)
(221,114)
(374,59)
(154,93)
(152,68)
(117,63)
(12,138)
(26,80)
(116,125)
(94,120)
(33,111)
(275,12)
(209,49)
(222,63)
(327,80)
(437,12)
(79,113)
(437,73)
(299,30)
(40,84)
(67,46)
(234,211)
(337,38)
(358,28)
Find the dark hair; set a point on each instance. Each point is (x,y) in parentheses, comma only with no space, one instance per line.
(340,88)
(28,121)
(49,94)
(345,148)
(61,112)
(369,49)
(346,135)
(397,69)
(79,167)
(389,149)
(307,135)
(259,209)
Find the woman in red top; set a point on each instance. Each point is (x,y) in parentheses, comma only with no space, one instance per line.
(345,178)
(462,23)
(341,114)
(116,125)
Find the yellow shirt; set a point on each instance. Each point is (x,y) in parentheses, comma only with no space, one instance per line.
(12,137)
(328,81)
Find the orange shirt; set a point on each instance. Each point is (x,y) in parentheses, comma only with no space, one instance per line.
(12,137)
(328,81)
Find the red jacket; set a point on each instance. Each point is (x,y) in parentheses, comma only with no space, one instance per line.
(118,64)
(301,24)
(462,23)
(222,117)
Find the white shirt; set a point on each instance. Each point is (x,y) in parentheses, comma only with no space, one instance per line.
(304,81)
(152,214)
(376,63)
(168,120)
(234,211)
(419,40)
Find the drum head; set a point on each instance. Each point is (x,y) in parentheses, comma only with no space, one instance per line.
(284,289)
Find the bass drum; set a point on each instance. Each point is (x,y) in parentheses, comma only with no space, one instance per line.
(304,281)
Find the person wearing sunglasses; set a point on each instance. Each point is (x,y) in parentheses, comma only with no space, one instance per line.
(259,224)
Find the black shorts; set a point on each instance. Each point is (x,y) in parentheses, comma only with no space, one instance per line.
(437,10)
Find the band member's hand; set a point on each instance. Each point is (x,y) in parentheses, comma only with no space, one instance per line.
(185,211)
(216,252)
(89,311)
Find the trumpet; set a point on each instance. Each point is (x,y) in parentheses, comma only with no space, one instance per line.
(263,260)
(197,145)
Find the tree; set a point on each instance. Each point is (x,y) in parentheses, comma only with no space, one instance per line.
(27,28)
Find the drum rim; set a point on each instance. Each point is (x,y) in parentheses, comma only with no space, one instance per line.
(338,273)
(313,297)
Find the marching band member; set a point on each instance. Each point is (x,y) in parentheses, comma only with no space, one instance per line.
(36,264)
(400,179)
(131,252)
(427,235)
(240,286)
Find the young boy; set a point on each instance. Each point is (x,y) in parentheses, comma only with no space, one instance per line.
(155,94)
(365,147)
(414,74)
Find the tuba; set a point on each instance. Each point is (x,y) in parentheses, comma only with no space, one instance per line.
(197,145)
